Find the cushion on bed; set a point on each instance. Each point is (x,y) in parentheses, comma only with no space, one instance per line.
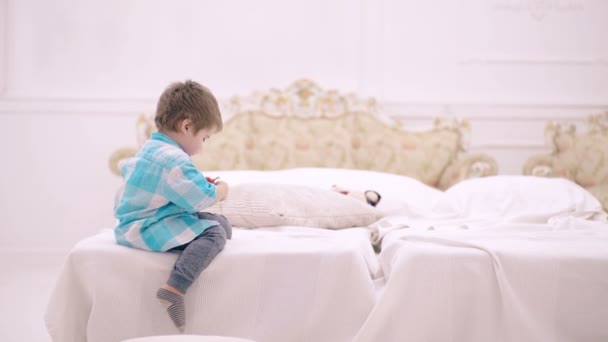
(255,205)
(520,199)
(400,194)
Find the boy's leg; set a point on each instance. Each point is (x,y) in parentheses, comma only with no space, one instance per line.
(195,257)
(221,219)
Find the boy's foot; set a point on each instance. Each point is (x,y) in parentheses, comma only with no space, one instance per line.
(175,307)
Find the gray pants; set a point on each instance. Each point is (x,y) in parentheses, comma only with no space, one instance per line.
(197,254)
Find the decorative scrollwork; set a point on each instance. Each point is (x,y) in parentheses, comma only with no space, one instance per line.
(304,99)
(598,123)
(582,158)
(460,125)
(306,126)
(559,136)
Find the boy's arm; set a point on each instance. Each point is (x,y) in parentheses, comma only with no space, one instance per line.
(187,188)
(221,190)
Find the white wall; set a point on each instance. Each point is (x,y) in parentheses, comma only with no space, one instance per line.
(74,75)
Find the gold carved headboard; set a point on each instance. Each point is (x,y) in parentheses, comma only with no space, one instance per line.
(582,158)
(306,126)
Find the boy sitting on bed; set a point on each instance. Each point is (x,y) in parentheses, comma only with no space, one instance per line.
(159,206)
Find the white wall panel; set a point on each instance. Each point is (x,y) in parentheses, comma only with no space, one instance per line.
(133,48)
(75,74)
(478,51)
(55,181)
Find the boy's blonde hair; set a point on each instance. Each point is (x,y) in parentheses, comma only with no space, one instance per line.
(187,100)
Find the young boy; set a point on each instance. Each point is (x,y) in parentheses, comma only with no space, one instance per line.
(159,205)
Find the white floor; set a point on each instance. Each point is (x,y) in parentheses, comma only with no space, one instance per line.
(27,279)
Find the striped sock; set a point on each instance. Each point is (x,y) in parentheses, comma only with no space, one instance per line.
(175,307)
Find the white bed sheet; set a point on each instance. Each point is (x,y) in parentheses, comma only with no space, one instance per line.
(473,280)
(267,285)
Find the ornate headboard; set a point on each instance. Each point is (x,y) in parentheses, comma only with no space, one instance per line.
(306,126)
(582,158)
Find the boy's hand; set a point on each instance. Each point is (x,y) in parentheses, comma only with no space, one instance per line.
(222,190)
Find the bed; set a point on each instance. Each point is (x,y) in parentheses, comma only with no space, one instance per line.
(452,251)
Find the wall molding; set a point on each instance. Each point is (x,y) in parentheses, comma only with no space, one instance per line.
(3,45)
(539,9)
(595,61)
(508,145)
(492,111)
(498,112)
(59,253)
(371,48)
(75,106)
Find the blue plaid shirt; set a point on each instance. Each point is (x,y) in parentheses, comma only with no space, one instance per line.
(162,192)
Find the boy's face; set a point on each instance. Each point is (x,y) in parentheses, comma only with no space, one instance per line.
(191,141)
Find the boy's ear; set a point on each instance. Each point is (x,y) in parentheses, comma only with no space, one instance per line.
(185,126)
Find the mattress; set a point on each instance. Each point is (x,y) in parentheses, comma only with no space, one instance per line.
(281,284)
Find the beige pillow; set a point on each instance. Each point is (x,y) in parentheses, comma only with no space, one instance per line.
(255,205)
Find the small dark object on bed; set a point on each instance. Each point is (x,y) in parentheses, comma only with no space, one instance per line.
(372,197)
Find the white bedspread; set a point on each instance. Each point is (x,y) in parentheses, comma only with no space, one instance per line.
(266,285)
(478,281)
(499,259)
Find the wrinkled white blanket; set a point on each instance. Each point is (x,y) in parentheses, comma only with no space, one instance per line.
(500,282)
